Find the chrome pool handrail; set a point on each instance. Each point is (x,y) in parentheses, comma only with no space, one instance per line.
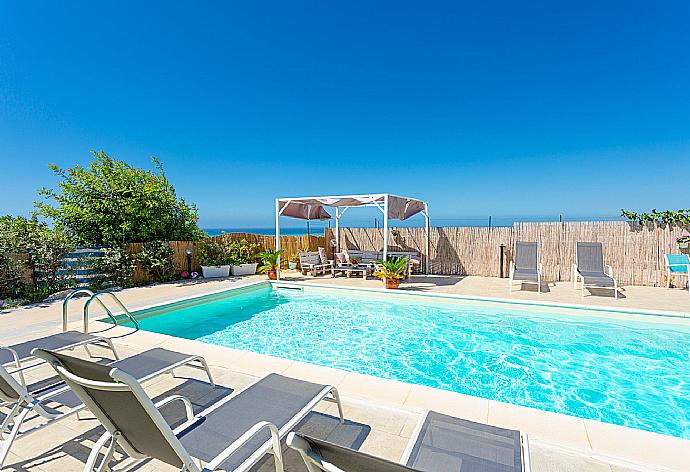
(74,293)
(122,307)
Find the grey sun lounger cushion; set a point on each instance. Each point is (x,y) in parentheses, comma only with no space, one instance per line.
(275,398)
(444,443)
(55,342)
(350,460)
(526,262)
(590,265)
(530,275)
(453,444)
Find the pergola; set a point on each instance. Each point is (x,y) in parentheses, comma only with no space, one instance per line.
(393,207)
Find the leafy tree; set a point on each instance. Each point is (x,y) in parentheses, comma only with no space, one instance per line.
(110,202)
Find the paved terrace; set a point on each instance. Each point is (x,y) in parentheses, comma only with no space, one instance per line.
(381,414)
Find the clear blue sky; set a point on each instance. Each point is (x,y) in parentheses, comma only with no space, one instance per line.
(503,108)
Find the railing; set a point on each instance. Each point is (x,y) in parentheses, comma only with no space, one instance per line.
(94,297)
(79,291)
(122,307)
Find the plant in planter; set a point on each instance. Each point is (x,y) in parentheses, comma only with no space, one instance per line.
(270,259)
(214,259)
(243,257)
(392,271)
(292,262)
(683,241)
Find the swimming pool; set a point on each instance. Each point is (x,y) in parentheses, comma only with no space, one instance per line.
(628,373)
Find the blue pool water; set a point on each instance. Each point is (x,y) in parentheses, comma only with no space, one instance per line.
(631,374)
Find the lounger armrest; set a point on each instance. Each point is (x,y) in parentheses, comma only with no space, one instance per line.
(575,270)
(242,440)
(189,411)
(302,446)
(511,269)
(17,361)
(609,271)
(540,269)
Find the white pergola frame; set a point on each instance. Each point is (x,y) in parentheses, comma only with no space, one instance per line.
(371,200)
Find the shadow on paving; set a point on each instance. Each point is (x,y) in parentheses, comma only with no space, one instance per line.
(316,424)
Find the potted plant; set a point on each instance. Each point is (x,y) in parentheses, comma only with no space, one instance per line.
(243,257)
(683,241)
(214,259)
(269,259)
(392,271)
(292,262)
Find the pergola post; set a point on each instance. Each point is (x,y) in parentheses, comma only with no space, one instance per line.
(337,231)
(426,230)
(385,227)
(278,236)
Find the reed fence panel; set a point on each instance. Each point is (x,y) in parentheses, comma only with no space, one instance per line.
(634,251)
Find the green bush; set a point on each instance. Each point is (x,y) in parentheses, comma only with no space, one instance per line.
(27,244)
(156,258)
(118,264)
(212,253)
(112,203)
(243,252)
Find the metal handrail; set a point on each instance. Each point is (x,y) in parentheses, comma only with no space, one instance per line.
(65,305)
(96,296)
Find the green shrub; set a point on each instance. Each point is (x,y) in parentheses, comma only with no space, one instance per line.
(212,253)
(156,258)
(243,252)
(118,264)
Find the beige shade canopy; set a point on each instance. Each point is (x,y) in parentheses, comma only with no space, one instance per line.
(312,208)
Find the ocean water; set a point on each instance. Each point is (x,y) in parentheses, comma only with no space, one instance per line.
(630,374)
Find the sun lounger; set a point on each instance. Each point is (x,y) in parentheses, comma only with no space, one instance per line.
(589,268)
(677,265)
(440,443)
(233,434)
(53,400)
(19,355)
(526,267)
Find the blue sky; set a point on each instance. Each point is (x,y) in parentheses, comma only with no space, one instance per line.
(503,108)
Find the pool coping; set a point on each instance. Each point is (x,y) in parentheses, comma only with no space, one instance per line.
(657,316)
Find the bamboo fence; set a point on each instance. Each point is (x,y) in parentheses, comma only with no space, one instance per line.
(634,251)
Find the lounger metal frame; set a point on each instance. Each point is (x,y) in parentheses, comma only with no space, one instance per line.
(577,276)
(30,402)
(512,271)
(315,463)
(670,274)
(21,364)
(125,382)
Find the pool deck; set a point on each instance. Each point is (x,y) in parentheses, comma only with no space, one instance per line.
(383,412)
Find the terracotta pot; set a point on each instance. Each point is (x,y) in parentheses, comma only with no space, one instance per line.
(272,274)
(392,283)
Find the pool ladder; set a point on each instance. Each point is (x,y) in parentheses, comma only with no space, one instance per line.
(95,297)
